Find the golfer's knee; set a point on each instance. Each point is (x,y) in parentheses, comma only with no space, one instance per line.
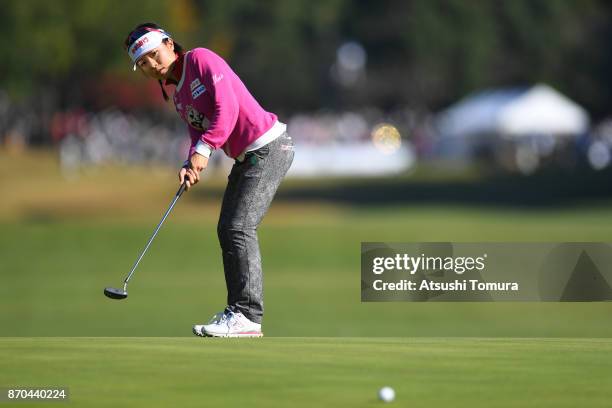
(225,230)
(231,233)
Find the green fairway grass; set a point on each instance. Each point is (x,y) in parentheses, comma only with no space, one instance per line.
(53,274)
(314,372)
(63,239)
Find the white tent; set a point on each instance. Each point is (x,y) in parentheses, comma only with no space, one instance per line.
(514,113)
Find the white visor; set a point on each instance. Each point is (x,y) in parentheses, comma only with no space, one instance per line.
(146,43)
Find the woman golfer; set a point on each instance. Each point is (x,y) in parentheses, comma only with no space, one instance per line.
(222,114)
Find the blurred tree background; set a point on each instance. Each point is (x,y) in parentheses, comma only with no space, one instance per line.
(421,53)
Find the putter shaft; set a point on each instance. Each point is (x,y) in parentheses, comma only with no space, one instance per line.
(178,195)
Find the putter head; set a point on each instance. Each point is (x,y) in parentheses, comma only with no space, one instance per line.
(115,293)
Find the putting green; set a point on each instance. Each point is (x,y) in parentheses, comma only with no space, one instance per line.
(53,274)
(62,242)
(309,372)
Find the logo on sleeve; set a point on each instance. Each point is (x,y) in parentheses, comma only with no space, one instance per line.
(217,78)
(198,91)
(194,84)
(196,119)
(197,88)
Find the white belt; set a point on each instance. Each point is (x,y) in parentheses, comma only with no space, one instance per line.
(274,132)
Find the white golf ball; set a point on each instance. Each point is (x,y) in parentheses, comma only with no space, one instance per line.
(386,394)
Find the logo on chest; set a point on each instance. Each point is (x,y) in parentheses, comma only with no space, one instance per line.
(196,119)
(197,88)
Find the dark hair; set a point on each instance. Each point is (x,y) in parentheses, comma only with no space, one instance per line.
(141,30)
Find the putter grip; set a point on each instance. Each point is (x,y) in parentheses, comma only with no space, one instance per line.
(181,189)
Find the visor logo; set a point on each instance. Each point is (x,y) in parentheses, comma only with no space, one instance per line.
(139,44)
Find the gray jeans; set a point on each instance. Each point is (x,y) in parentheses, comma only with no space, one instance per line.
(251,186)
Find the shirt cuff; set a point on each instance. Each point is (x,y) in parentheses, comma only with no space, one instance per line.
(203,149)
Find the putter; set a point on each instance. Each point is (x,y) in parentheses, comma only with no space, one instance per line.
(115,293)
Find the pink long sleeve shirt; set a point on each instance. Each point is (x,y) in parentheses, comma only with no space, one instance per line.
(217,106)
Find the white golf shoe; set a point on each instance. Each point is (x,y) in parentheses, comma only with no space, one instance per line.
(228,324)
